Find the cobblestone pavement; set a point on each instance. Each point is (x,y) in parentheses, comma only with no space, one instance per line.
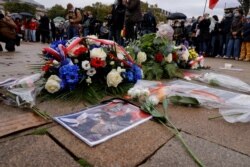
(38,143)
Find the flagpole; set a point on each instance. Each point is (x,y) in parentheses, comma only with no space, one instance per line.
(205,7)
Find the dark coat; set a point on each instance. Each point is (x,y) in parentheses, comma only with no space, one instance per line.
(237,26)
(226,25)
(204,29)
(133,12)
(118,16)
(246,32)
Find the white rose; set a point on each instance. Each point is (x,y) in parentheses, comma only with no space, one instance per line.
(169,58)
(53,84)
(120,70)
(86,65)
(114,78)
(141,57)
(98,53)
(55,62)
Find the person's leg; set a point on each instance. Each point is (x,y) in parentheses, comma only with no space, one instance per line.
(237,44)
(10,45)
(1,48)
(243,51)
(229,48)
(247,51)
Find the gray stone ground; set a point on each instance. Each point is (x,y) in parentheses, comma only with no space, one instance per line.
(216,143)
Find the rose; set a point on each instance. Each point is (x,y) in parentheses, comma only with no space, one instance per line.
(159,57)
(53,84)
(169,58)
(98,53)
(114,78)
(141,57)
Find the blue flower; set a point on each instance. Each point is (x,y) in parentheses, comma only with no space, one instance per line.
(69,75)
(55,44)
(137,72)
(129,76)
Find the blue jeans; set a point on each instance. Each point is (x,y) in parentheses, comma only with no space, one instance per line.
(73,31)
(33,35)
(233,48)
(226,39)
(203,46)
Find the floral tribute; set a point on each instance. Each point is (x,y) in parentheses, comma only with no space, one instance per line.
(160,58)
(88,67)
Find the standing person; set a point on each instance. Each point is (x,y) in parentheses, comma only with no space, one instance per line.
(33,27)
(204,33)
(245,46)
(148,24)
(133,17)
(26,29)
(225,27)
(53,30)
(233,47)
(117,20)
(214,30)
(7,32)
(44,28)
(75,17)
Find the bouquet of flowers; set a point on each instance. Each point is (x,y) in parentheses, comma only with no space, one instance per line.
(88,67)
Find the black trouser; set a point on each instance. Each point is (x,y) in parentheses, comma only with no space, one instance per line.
(45,36)
(9,43)
(131,30)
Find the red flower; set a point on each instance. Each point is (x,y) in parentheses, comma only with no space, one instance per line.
(80,51)
(97,62)
(159,57)
(47,65)
(175,56)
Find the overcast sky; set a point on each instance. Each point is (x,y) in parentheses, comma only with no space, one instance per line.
(189,7)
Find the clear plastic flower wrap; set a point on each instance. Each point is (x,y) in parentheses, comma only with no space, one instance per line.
(21,92)
(224,81)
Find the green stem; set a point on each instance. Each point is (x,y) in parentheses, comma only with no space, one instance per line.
(178,135)
(220,116)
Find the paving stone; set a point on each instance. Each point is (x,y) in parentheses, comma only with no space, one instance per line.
(16,119)
(173,154)
(127,149)
(195,121)
(30,151)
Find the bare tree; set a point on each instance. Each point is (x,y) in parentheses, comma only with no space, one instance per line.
(245,4)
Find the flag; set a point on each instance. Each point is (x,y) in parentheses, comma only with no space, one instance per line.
(212,3)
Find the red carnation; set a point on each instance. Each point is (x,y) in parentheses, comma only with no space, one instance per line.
(97,62)
(46,68)
(159,57)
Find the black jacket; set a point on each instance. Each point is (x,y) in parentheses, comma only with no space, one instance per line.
(246,32)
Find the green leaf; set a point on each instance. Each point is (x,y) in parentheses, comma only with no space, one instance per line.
(149,108)
(182,100)
(172,71)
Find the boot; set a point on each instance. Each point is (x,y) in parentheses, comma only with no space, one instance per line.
(1,48)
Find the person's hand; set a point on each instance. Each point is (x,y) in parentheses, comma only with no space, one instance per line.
(71,20)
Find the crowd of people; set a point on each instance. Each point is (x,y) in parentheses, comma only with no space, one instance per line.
(228,38)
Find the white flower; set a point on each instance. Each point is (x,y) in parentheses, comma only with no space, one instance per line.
(98,53)
(153,100)
(55,62)
(120,56)
(91,72)
(114,78)
(169,58)
(89,80)
(138,92)
(145,92)
(141,57)
(86,65)
(165,31)
(53,84)
(112,63)
(120,70)
(195,66)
